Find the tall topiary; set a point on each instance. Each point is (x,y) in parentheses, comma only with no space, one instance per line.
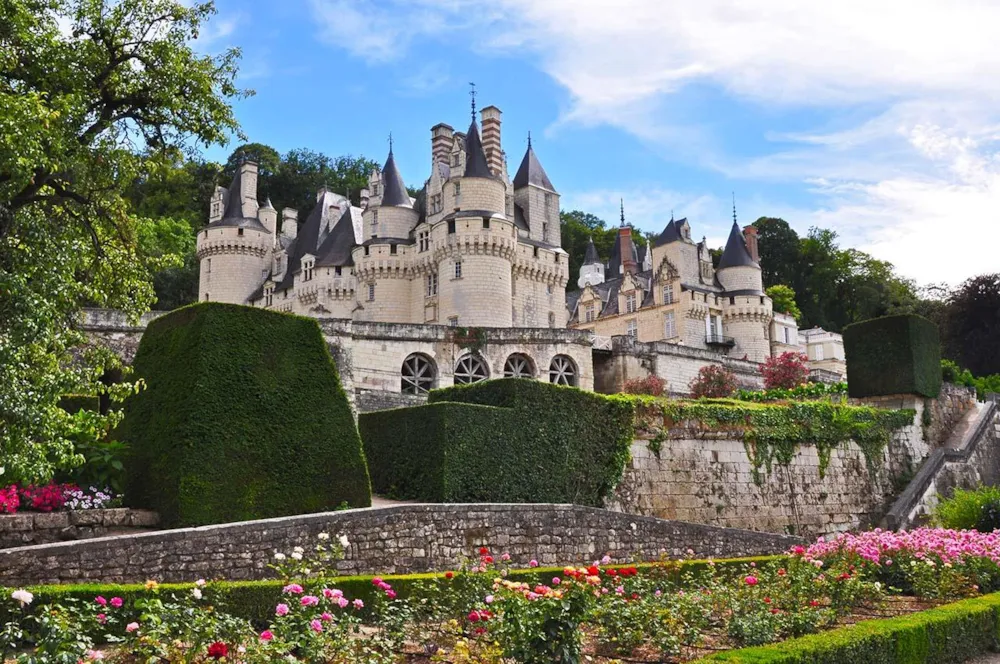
(243,417)
(893,355)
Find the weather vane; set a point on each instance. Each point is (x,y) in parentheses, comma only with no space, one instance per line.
(734,207)
(472,93)
(390,141)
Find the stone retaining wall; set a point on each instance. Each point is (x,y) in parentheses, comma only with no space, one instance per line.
(398,539)
(27,528)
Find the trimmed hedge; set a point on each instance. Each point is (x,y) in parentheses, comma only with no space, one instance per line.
(508,440)
(946,634)
(255,600)
(893,355)
(243,417)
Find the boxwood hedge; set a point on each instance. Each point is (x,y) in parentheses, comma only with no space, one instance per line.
(508,440)
(893,355)
(243,417)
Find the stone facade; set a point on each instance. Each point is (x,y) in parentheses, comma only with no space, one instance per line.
(399,539)
(27,528)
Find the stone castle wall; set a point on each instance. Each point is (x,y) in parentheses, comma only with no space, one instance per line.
(399,539)
(27,528)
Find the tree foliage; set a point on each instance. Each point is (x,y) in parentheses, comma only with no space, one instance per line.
(85,112)
(786,371)
(783,300)
(972,325)
(578,228)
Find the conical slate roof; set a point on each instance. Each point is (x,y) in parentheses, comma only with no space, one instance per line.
(531,172)
(476,165)
(736,253)
(336,248)
(393,188)
(591,257)
(669,234)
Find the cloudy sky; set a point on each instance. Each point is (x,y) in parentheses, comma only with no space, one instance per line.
(878,119)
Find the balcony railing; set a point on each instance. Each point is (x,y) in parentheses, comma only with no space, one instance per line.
(719,340)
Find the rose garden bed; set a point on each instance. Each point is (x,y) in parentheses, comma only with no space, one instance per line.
(857,598)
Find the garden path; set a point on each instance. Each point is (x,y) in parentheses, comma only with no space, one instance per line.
(991,658)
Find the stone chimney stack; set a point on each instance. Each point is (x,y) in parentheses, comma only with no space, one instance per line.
(442,137)
(289,223)
(490,120)
(248,189)
(629,265)
(750,235)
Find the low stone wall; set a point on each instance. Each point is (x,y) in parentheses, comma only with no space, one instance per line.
(403,538)
(29,528)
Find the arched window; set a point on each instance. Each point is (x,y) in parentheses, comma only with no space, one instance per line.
(518,365)
(562,370)
(419,374)
(471,369)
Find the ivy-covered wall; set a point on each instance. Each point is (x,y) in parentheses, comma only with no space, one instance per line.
(806,468)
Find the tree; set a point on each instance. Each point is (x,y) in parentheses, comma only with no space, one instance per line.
(783,300)
(302,172)
(713,381)
(779,251)
(973,324)
(85,115)
(578,228)
(268,164)
(786,371)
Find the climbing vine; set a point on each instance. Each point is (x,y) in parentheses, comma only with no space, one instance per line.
(771,433)
(472,339)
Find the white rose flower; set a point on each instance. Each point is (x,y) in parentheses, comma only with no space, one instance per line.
(22,596)
(298,549)
(343,541)
(296,555)
(200,583)
(196,592)
(323,537)
(279,556)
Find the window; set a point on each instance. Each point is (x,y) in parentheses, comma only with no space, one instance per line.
(632,328)
(374,223)
(589,313)
(668,295)
(630,302)
(548,289)
(669,326)
(371,292)
(268,296)
(471,369)
(307,271)
(454,159)
(436,203)
(418,374)
(458,191)
(339,271)
(458,269)
(545,229)
(451,226)
(453,321)
(208,266)
(518,365)
(552,319)
(787,331)
(206,297)
(486,222)
(392,249)
(550,201)
(239,231)
(432,284)
(375,189)
(819,353)
(562,370)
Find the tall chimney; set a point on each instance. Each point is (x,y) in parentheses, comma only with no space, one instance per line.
(750,235)
(289,223)
(625,244)
(248,189)
(442,136)
(490,118)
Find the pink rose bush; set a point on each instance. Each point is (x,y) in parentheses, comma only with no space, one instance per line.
(54,497)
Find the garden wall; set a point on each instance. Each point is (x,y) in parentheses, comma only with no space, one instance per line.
(398,539)
(27,528)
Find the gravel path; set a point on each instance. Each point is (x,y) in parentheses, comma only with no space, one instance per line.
(992,658)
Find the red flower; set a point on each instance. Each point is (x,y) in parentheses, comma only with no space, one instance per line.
(781,572)
(593,570)
(473,616)
(488,560)
(483,551)
(614,572)
(449,575)
(767,600)
(218,650)
(813,602)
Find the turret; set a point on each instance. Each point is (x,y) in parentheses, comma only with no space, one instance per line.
(535,195)
(738,271)
(592,270)
(390,212)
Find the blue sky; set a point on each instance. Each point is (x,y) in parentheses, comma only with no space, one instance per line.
(875,118)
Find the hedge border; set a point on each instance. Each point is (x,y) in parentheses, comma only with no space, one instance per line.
(255,600)
(945,634)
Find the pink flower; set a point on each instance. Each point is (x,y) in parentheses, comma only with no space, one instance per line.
(266,635)
(327,593)
(342,602)
(620,590)
(309,600)
(751,580)
(358,604)
(326,617)
(390,593)
(505,557)
(117,602)
(533,563)
(489,599)
(101,618)
(131,627)
(556,580)
(315,625)
(101,601)
(281,610)
(292,588)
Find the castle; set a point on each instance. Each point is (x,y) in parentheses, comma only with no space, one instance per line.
(473,249)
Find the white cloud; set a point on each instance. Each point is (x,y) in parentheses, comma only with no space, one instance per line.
(217,30)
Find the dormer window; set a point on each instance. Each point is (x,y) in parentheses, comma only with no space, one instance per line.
(424,240)
(454,159)
(630,302)
(307,270)
(668,295)
(268,296)
(375,189)
(588,313)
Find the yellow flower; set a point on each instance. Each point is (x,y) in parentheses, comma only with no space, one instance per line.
(152,585)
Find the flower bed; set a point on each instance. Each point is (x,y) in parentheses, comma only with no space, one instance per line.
(55,497)
(485,612)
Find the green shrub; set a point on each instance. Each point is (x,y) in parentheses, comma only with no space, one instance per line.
(966,510)
(944,635)
(519,441)
(893,355)
(984,385)
(243,417)
(74,403)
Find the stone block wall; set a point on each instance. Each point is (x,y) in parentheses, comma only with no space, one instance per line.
(27,528)
(399,539)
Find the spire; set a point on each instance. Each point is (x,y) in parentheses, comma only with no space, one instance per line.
(736,253)
(531,172)
(623,210)
(734,207)
(472,93)
(267,203)
(591,256)
(390,142)
(393,188)
(476,164)
(529,139)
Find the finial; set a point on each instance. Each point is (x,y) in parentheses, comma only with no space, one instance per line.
(529,139)
(390,142)
(671,214)
(734,207)
(623,211)
(472,93)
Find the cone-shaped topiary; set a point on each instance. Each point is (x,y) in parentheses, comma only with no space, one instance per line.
(243,417)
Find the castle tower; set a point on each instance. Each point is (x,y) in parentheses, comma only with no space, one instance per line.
(535,195)
(747,311)
(592,270)
(234,250)
(474,244)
